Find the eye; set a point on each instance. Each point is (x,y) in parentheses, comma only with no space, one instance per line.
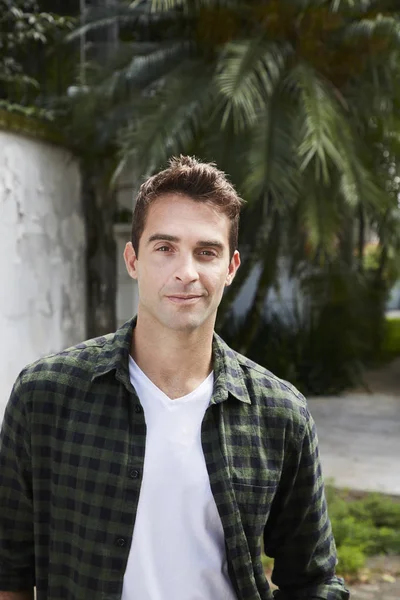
(207,253)
(163,249)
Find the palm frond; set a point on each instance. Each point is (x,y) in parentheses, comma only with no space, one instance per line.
(137,15)
(386,28)
(168,122)
(273,167)
(149,65)
(321,218)
(96,18)
(357,186)
(247,73)
(359,5)
(321,123)
(166,5)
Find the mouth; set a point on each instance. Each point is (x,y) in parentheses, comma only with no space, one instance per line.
(184,299)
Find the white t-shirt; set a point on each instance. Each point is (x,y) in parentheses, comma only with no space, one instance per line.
(178,546)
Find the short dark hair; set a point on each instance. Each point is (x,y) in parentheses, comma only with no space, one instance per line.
(202,182)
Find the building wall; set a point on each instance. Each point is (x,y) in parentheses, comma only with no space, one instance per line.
(42,278)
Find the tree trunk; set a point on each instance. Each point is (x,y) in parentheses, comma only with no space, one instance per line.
(101,270)
(347,242)
(361,237)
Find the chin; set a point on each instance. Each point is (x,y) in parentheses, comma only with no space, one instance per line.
(185,324)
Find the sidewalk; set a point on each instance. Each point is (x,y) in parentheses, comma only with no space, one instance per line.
(359,440)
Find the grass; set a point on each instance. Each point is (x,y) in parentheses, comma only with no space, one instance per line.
(364,525)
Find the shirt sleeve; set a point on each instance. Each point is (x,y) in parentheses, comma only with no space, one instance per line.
(16,507)
(298,534)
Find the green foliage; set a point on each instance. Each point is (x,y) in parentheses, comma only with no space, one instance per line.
(351,560)
(383,511)
(373,257)
(27,111)
(23,29)
(309,57)
(363,527)
(391,339)
(30,121)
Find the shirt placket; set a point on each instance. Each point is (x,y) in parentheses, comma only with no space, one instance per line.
(238,555)
(133,475)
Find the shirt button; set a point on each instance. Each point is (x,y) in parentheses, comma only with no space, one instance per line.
(120,542)
(138,408)
(134,473)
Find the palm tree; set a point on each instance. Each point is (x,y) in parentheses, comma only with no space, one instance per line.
(296,99)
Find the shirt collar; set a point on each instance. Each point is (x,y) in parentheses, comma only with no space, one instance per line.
(115,354)
(228,375)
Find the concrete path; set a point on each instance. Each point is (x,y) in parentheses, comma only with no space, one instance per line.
(359,440)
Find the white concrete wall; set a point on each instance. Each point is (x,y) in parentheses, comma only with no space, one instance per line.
(42,277)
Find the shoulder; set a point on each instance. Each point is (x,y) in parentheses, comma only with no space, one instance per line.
(269,405)
(281,406)
(67,372)
(267,390)
(267,379)
(83,356)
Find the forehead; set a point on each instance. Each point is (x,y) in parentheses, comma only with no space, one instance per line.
(179,212)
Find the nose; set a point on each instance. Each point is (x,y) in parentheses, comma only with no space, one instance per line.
(186,271)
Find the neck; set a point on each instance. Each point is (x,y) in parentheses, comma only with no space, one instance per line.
(176,361)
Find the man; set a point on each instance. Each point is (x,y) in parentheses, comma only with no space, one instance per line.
(154,463)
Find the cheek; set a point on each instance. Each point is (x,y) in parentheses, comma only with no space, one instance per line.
(158,276)
(215,281)
(154,271)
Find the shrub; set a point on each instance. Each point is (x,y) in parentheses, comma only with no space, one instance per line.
(351,560)
(381,510)
(363,527)
(391,339)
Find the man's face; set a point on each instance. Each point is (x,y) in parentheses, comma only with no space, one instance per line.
(183,263)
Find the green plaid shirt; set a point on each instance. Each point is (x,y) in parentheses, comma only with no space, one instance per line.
(71,464)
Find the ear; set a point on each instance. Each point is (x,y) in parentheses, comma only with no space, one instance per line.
(131,260)
(233,267)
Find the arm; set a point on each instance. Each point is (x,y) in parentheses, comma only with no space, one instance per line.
(298,534)
(16,509)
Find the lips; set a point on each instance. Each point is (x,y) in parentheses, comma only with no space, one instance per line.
(184,298)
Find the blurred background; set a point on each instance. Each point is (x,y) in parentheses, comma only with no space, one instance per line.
(298,101)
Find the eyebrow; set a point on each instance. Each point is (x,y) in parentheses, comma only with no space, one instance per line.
(165,237)
(162,237)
